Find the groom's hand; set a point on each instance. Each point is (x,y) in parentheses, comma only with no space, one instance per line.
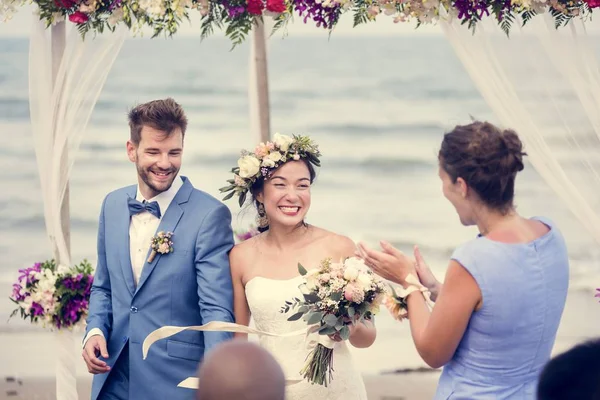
(95,346)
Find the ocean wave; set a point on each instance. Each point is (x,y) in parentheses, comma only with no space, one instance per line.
(12,108)
(24,223)
(379,164)
(372,130)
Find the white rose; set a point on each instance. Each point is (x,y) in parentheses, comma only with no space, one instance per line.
(282,141)
(364,280)
(249,166)
(62,269)
(268,163)
(274,156)
(350,273)
(356,263)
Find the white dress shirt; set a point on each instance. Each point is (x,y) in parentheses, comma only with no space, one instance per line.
(142,227)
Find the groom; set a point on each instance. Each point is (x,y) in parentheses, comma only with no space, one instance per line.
(136,291)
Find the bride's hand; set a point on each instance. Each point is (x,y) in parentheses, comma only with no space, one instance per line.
(390,264)
(425,275)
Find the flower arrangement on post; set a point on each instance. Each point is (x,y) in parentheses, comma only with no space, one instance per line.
(56,296)
(336,295)
(237,17)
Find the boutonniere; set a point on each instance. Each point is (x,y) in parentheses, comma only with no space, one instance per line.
(161,243)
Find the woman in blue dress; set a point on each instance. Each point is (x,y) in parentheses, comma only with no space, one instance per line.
(496,314)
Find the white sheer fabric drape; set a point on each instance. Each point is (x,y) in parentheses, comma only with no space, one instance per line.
(60,111)
(545,84)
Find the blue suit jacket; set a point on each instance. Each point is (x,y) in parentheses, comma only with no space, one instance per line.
(191,286)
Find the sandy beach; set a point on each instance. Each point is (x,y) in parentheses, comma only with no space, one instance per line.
(391,367)
(416,385)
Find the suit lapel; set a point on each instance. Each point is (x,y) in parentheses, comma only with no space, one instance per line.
(168,223)
(123,233)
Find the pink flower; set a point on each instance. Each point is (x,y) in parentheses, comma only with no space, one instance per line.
(261,150)
(597,294)
(277,6)
(78,18)
(64,3)
(255,7)
(163,247)
(593,3)
(354,293)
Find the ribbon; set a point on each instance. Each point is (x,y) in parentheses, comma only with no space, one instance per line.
(414,286)
(313,339)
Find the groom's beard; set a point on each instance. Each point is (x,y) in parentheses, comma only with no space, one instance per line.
(156,187)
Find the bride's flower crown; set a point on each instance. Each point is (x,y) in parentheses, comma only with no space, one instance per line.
(265,159)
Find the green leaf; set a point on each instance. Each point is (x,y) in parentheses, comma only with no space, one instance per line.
(327,330)
(315,318)
(242,198)
(330,320)
(302,270)
(226,188)
(351,312)
(296,316)
(311,298)
(345,333)
(339,323)
(336,296)
(230,195)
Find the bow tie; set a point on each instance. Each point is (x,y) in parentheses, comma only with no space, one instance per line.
(136,207)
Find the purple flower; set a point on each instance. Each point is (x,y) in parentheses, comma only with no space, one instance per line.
(36,310)
(325,17)
(597,294)
(16,293)
(27,274)
(241,236)
(233,11)
(468,9)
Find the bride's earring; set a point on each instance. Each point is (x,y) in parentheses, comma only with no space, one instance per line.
(261,219)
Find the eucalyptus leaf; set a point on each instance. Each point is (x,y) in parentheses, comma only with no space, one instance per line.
(336,296)
(295,317)
(302,270)
(330,320)
(345,333)
(242,198)
(311,298)
(327,330)
(315,318)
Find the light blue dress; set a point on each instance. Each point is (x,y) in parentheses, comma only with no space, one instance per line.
(509,340)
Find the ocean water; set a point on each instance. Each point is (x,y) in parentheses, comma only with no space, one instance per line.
(378,108)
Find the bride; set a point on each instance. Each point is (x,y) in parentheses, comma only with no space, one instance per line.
(264,269)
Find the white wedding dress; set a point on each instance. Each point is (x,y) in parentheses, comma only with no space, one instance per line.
(265,299)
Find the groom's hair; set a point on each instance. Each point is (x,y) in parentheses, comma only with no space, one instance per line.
(164,115)
(237,370)
(572,375)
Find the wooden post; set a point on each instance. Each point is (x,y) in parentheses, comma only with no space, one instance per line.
(262,81)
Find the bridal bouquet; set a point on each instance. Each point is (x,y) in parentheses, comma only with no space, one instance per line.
(54,295)
(335,295)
